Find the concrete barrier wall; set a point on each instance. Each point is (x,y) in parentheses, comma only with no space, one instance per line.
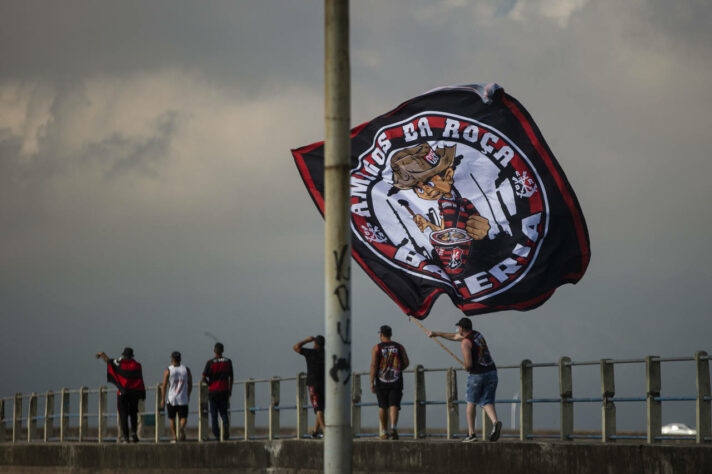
(369,456)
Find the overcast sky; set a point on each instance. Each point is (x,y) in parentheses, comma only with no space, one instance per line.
(148,195)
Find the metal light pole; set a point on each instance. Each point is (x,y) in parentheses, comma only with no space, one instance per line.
(337,238)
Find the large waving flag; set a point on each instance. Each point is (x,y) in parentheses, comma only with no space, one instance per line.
(456,191)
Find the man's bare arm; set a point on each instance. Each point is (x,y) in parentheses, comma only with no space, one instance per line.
(101,355)
(452,336)
(298,346)
(163,387)
(374,353)
(406,362)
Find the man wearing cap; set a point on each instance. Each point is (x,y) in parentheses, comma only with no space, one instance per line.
(218,375)
(388,361)
(315,378)
(127,375)
(179,381)
(482,379)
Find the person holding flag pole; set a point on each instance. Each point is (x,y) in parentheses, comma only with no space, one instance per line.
(482,379)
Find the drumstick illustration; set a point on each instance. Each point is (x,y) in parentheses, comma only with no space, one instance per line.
(418,248)
(404,203)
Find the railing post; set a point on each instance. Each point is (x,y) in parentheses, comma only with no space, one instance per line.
(419,403)
(48,416)
(608,408)
(141,418)
(702,406)
(249,406)
(118,421)
(566,408)
(31,417)
(158,416)
(355,404)
(652,388)
(486,425)
(453,409)
(274,408)
(3,434)
(526,409)
(101,415)
(16,418)
(302,399)
(202,411)
(63,414)
(83,411)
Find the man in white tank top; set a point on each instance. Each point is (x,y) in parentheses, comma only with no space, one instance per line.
(179,381)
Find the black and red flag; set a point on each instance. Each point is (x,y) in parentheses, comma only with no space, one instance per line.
(456,191)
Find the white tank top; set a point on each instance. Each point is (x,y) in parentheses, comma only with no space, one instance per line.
(177,385)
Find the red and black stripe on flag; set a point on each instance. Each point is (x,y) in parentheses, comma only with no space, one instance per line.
(456,191)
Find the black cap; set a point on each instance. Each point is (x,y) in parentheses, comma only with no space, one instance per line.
(175,355)
(128,353)
(319,340)
(386,330)
(465,323)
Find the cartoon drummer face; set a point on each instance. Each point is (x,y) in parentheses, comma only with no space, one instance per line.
(429,173)
(436,187)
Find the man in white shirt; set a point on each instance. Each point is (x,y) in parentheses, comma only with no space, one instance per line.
(179,381)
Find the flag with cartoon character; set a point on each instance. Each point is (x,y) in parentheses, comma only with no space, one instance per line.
(456,191)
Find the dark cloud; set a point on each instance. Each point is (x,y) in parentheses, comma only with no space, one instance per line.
(244,41)
(119,155)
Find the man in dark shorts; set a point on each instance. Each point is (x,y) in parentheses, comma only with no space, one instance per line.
(176,389)
(482,379)
(388,361)
(218,375)
(127,375)
(315,378)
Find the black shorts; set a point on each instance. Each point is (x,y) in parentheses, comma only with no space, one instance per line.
(389,395)
(181,410)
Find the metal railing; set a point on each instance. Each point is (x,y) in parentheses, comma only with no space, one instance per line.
(67,414)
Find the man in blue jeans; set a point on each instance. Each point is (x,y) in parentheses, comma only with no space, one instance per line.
(482,379)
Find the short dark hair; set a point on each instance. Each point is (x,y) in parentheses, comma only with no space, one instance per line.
(175,355)
(386,330)
(128,353)
(219,348)
(319,340)
(465,323)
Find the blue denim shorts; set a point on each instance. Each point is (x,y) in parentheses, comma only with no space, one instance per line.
(482,387)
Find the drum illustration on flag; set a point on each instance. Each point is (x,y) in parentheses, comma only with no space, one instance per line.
(452,246)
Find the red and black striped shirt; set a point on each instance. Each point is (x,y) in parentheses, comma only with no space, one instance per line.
(455,211)
(218,374)
(127,375)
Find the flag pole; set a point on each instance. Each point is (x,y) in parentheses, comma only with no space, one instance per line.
(441,344)
(337,238)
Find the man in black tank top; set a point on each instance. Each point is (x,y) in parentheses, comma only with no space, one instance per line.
(315,378)
(388,361)
(482,379)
